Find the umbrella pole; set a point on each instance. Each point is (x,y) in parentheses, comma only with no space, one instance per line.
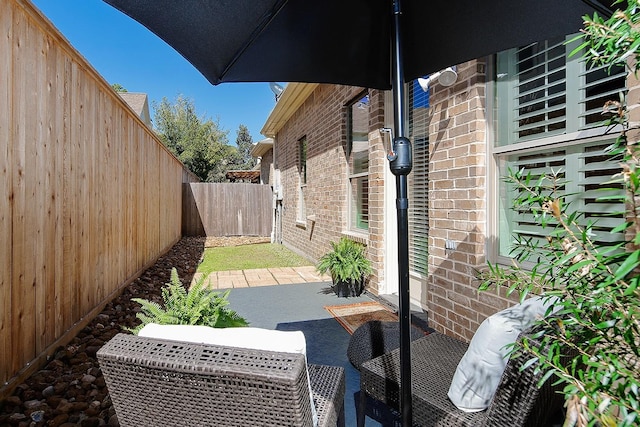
(401,164)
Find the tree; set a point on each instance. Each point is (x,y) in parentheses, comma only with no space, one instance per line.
(118,87)
(245,144)
(225,159)
(597,322)
(198,142)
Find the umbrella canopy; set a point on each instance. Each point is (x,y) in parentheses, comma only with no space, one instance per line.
(376,44)
(346,41)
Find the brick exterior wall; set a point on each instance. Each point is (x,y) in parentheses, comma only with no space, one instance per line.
(457,192)
(266,168)
(457,205)
(457,188)
(322,120)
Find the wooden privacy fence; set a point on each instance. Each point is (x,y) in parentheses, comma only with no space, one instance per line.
(225,209)
(89,196)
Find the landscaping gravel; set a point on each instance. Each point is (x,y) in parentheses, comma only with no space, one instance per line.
(70,390)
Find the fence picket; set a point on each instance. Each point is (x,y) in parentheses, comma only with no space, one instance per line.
(90,197)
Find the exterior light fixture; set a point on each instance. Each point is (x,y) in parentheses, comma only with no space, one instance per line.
(446,77)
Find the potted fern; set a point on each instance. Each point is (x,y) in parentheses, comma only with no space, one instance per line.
(198,306)
(348,265)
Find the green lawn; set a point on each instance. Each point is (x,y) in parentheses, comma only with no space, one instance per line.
(246,257)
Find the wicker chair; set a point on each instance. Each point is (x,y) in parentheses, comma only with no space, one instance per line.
(155,382)
(517,402)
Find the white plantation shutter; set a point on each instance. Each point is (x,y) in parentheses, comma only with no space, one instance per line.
(522,223)
(598,87)
(419,181)
(598,168)
(584,168)
(542,97)
(541,92)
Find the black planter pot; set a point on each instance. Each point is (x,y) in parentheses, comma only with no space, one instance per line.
(348,288)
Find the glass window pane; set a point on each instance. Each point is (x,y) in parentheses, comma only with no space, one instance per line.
(358,152)
(581,169)
(302,171)
(359,137)
(303,160)
(419,120)
(541,92)
(360,203)
(360,157)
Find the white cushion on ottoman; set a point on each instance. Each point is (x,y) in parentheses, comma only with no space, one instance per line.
(480,369)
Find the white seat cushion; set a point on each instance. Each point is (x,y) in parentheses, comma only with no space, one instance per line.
(243,337)
(480,369)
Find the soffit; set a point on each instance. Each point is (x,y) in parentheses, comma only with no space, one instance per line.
(291,99)
(260,148)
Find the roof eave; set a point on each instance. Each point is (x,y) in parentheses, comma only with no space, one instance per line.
(291,99)
(261,147)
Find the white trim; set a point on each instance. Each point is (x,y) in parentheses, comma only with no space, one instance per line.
(491,193)
(563,140)
(391,274)
(358,237)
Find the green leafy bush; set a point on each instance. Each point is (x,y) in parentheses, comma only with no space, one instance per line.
(198,306)
(597,283)
(346,261)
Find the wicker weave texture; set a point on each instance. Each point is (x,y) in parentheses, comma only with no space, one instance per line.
(328,382)
(166,383)
(434,359)
(518,401)
(375,338)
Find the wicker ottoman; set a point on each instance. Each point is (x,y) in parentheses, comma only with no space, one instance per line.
(374,339)
(518,401)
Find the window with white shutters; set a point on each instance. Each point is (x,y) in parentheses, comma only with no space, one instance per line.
(358,150)
(582,168)
(302,179)
(541,92)
(419,180)
(544,101)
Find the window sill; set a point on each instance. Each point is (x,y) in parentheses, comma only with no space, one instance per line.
(360,237)
(301,224)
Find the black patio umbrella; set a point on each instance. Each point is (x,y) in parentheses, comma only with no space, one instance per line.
(378,44)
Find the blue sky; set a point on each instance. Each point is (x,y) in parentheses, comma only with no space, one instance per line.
(125,52)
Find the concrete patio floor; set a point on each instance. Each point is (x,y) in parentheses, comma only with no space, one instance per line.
(300,306)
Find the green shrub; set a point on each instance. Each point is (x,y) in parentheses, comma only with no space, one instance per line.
(346,261)
(198,306)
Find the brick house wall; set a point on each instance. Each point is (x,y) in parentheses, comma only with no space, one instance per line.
(457,206)
(322,120)
(457,193)
(459,187)
(266,167)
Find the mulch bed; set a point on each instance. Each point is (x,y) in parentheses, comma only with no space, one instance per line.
(70,390)
(234,241)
